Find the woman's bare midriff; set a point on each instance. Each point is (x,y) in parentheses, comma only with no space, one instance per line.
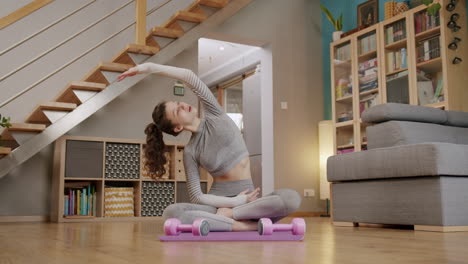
(240,172)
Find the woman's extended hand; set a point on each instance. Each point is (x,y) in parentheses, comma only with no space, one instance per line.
(130,72)
(251,196)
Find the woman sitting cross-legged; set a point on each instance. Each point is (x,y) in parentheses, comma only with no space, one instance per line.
(216,145)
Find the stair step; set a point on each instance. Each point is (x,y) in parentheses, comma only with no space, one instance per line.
(96,75)
(47,113)
(185,16)
(25,127)
(167,32)
(70,93)
(142,49)
(190,16)
(22,132)
(214,3)
(4,151)
(114,67)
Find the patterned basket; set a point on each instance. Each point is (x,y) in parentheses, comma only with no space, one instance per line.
(118,201)
(390,9)
(400,8)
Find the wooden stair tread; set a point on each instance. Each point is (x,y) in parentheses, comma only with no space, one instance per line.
(114,67)
(68,96)
(27,127)
(214,3)
(5,151)
(59,106)
(38,115)
(167,32)
(190,16)
(86,86)
(142,49)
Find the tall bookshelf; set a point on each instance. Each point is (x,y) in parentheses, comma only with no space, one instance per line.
(405,59)
(92,164)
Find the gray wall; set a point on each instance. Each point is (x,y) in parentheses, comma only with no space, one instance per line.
(292,29)
(26,191)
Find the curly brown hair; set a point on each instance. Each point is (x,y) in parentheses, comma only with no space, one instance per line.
(155,148)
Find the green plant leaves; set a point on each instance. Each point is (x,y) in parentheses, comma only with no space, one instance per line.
(339,23)
(433,9)
(329,15)
(427,2)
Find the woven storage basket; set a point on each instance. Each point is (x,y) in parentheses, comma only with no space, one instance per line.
(400,8)
(390,9)
(118,201)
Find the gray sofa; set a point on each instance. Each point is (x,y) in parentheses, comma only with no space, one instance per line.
(415,171)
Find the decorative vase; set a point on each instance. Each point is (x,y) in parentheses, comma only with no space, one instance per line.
(337,35)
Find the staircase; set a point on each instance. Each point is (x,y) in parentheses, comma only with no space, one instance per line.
(81,99)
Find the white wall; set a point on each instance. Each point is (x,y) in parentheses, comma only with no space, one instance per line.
(292,29)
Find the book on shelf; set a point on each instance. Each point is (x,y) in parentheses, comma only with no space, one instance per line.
(423,21)
(80,199)
(344,151)
(343,88)
(425,93)
(396,60)
(343,53)
(368,101)
(397,75)
(428,49)
(367,44)
(368,75)
(395,32)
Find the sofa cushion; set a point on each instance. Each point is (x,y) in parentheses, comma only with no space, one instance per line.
(395,133)
(428,159)
(456,118)
(403,112)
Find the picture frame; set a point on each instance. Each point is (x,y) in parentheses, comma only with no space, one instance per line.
(368,13)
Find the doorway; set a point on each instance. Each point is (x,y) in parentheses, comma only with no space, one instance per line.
(233,73)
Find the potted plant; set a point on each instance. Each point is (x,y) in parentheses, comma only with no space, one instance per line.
(337,24)
(433,6)
(4,122)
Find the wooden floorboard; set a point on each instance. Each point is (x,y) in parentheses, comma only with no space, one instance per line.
(136,242)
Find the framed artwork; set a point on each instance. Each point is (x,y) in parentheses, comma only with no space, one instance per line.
(368,13)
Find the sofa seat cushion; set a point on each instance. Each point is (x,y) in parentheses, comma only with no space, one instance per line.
(417,160)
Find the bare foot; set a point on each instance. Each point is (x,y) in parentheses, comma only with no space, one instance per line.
(227,212)
(245,225)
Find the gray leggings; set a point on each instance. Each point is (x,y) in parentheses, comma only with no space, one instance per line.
(275,206)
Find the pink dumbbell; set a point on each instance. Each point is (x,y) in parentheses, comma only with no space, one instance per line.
(173,227)
(266,227)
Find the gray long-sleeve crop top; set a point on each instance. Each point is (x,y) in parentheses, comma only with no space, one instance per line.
(217,146)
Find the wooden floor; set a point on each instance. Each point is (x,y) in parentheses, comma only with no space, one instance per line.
(136,242)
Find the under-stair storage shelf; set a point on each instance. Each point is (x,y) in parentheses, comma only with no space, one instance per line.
(97,179)
(409,58)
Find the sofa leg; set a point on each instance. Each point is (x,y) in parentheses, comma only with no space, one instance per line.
(348,224)
(441,228)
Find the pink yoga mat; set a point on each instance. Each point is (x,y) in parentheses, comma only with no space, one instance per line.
(234,236)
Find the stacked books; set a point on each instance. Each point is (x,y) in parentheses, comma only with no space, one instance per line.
(368,75)
(80,199)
